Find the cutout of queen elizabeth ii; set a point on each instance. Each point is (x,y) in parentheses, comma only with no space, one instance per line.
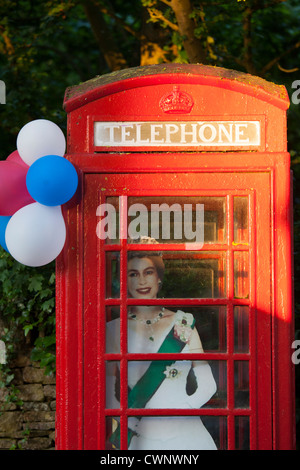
(159,384)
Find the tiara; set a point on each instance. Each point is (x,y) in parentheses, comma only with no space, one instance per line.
(145,240)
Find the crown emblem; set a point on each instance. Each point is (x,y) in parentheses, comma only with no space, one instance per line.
(176,102)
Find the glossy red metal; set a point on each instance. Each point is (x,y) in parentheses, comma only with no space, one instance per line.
(200,164)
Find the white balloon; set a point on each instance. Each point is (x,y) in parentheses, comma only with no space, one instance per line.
(40,138)
(36,234)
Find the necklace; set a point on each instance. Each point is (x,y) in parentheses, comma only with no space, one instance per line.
(149,323)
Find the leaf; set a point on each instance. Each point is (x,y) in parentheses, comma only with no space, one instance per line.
(27,328)
(48,305)
(45,342)
(9,378)
(35,283)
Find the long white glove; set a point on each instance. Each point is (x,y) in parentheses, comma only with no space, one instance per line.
(206,385)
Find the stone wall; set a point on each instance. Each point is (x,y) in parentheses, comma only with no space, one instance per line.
(30,424)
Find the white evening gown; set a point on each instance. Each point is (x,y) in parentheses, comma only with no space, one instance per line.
(163,432)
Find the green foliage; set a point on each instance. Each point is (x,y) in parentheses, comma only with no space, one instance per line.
(41,53)
(27,304)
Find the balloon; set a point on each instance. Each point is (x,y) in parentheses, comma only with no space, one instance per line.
(13,190)
(36,234)
(14,157)
(3,224)
(38,138)
(52,180)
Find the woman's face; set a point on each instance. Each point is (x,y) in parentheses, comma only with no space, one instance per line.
(143,280)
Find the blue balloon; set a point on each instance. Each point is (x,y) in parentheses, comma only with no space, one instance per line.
(4,219)
(52,180)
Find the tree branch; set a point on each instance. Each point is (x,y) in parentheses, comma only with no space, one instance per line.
(247,30)
(274,61)
(117,19)
(153,38)
(186,27)
(273,3)
(106,42)
(9,48)
(287,70)
(158,15)
(166,2)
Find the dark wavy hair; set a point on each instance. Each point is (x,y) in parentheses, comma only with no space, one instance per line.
(154,256)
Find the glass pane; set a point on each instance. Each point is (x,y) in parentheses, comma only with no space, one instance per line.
(241,384)
(200,328)
(112,275)
(241,275)
(176,274)
(112,329)
(173,384)
(214,219)
(112,384)
(177,432)
(211,325)
(219,371)
(217,427)
(240,207)
(241,329)
(177,219)
(242,433)
(112,425)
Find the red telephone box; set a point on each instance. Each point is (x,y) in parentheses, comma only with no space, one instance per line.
(192,159)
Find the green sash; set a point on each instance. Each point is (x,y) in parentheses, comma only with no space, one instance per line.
(148,384)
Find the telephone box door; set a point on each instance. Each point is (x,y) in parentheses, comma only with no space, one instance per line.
(220,277)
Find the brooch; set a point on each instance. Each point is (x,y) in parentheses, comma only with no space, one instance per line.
(175,370)
(171,372)
(183,327)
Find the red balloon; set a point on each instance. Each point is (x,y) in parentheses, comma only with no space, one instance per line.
(14,157)
(13,190)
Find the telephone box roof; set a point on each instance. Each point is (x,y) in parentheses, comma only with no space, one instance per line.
(125,79)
